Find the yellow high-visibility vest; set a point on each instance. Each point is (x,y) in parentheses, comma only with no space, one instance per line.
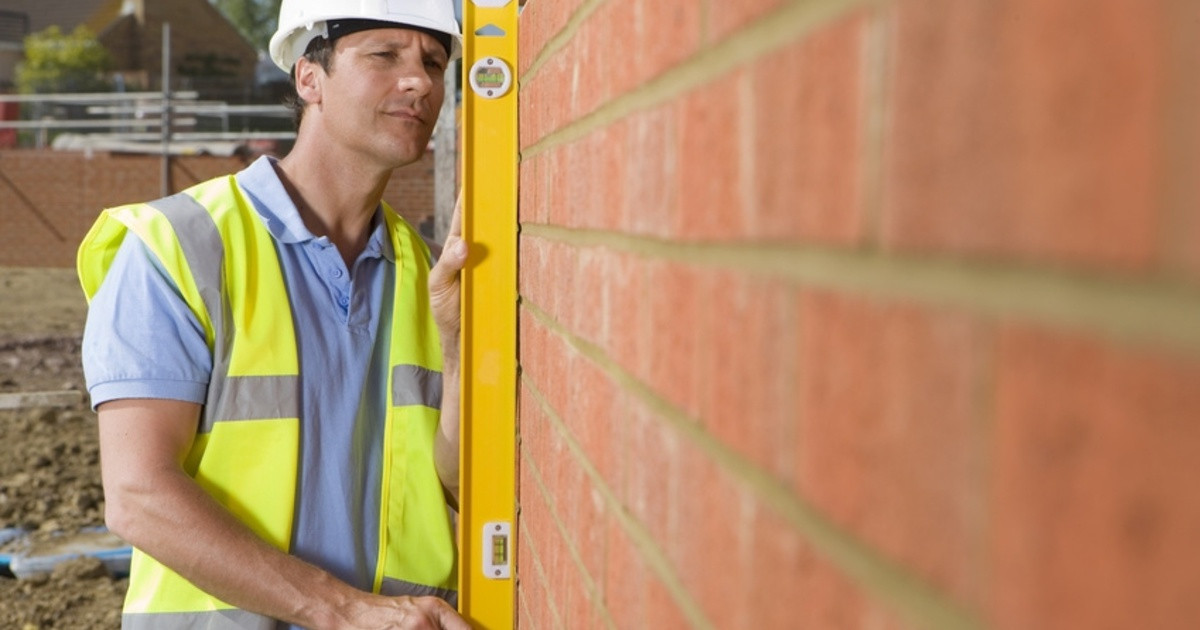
(219,254)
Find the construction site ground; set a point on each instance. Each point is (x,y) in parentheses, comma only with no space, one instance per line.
(49,455)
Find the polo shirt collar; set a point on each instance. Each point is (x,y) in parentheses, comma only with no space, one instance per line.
(262,185)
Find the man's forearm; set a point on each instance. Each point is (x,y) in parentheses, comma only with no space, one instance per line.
(176,522)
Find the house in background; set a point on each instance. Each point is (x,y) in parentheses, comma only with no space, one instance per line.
(208,54)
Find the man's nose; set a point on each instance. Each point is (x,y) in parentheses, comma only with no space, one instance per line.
(414,79)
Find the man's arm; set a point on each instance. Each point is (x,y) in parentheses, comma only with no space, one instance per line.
(445,298)
(154,505)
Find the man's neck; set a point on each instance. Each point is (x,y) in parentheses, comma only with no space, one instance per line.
(337,198)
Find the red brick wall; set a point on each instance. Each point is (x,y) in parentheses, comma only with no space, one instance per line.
(849,314)
(49,199)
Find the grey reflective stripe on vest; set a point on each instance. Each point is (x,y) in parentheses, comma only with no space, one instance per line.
(202,248)
(229,398)
(394,587)
(232,619)
(258,398)
(415,385)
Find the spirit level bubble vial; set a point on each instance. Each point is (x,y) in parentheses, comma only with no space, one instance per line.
(490,77)
(496,536)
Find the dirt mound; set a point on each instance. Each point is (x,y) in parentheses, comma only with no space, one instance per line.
(49,470)
(80,593)
(50,457)
(40,363)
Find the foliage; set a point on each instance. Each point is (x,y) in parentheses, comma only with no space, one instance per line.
(255,19)
(60,62)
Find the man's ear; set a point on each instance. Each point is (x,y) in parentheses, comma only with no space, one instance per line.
(308,80)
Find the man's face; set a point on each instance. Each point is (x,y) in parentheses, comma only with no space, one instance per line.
(383,93)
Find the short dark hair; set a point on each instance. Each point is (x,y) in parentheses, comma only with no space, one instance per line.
(319,51)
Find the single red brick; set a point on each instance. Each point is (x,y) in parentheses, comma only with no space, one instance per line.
(625,30)
(566,272)
(529,269)
(889,439)
(1026,129)
(556,186)
(1094,515)
(609,153)
(677,303)
(556,297)
(529,188)
(711,176)
(628,295)
(808,137)
(530,120)
(591,212)
(588,52)
(590,310)
(747,370)
(575,178)
(555,94)
(669,33)
(653,184)
(1181,229)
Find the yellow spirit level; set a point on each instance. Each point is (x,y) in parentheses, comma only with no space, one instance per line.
(489,319)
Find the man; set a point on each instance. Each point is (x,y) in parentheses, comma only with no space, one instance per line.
(268,354)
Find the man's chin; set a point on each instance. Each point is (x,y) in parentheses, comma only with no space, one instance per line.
(406,156)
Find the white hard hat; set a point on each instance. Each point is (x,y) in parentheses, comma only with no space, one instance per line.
(301,21)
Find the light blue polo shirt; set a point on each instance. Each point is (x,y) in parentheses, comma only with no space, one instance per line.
(142,341)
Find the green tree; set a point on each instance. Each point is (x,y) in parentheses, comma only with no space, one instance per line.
(255,19)
(59,62)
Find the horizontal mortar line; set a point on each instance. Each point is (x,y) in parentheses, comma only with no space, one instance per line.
(649,550)
(541,573)
(561,38)
(590,583)
(1156,311)
(768,33)
(909,594)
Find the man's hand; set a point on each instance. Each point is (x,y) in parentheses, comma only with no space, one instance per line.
(409,613)
(444,284)
(445,300)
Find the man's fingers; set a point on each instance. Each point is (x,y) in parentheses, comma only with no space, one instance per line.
(450,620)
(434,612)
(456,217)
(453,258)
